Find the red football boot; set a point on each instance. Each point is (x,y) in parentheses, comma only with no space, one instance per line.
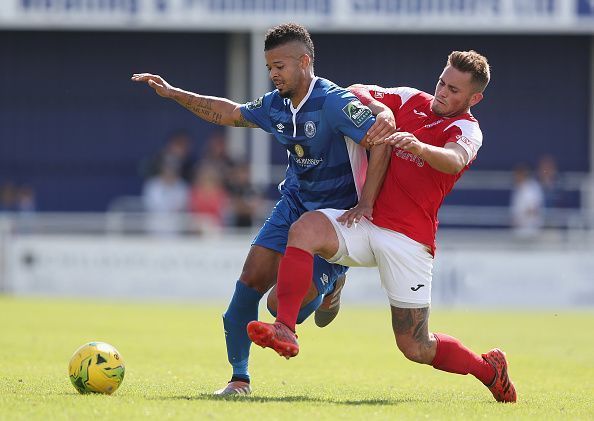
(274,335)
(502,388)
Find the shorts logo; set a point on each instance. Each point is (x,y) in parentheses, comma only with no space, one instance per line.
(257,103)
(299,151)
(310,129)
(418,287)
(357,112)
(378,95)
(324,279)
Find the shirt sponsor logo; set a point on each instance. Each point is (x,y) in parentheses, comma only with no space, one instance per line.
(357,112)
(435,123)
(308,162)
(304,162)
(257,103)
(310,129)
(407,156)
(464,140)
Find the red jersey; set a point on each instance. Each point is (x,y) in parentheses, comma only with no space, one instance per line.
(413,191)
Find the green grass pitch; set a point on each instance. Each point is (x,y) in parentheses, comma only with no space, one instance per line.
(175,357)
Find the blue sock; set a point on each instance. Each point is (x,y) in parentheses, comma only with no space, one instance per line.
(306,311)
(243,308)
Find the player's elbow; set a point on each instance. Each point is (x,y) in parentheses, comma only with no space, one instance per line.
(461,163)
(361,92)
(457,167)
(452,168)
(456,163)
(356,86)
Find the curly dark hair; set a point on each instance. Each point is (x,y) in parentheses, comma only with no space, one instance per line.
(288,32)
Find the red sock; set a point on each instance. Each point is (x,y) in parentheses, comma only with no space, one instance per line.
(294,278)
(453,357)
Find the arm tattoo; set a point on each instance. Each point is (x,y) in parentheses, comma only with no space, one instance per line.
(202,107)
(242,122)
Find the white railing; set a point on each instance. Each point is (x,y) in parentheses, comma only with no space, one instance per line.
(473,267)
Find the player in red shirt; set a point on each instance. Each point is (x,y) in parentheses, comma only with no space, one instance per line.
(393,227)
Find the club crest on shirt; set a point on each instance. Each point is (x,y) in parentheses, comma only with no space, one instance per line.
(257,103)
(357,112)
(310,129)
(299,151)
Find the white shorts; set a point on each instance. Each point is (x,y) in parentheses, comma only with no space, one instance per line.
(405,266)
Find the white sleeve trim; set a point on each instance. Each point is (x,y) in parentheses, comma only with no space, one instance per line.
(358,158)
(471,138)
(404,92)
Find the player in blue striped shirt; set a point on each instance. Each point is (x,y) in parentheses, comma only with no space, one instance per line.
(323,127)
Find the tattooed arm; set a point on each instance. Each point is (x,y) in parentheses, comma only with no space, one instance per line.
(212,109)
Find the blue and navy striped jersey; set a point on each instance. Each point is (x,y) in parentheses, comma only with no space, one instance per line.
(326,165)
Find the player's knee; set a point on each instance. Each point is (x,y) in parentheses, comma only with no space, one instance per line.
(306,231)
(253,279)
(302,228)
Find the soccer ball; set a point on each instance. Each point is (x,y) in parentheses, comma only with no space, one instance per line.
(96,367)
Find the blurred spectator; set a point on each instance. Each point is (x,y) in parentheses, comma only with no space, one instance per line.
(216,155)
(25,200)
(548,177)
(208,196)
(7,197)
(245,200)
(19,199)
(177,151)
(164,196)
(527,204)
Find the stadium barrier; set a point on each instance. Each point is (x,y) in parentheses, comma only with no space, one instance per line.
(69,255)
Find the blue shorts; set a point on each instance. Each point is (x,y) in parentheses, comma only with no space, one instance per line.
(274,233)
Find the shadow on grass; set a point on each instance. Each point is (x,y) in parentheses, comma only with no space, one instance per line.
(298,398)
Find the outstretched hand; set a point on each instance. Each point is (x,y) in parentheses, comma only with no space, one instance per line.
(354,215)
(156,82)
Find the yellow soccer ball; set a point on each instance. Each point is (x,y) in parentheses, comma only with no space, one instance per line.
(96,367)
